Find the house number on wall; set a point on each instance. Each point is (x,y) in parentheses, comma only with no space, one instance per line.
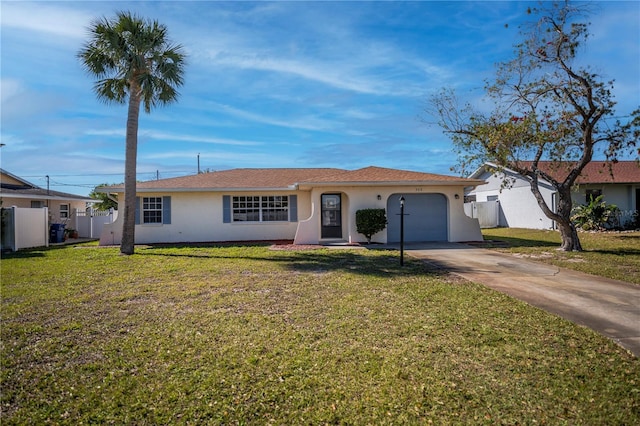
(418,189)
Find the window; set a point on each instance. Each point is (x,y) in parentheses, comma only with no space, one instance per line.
(246,209)
(592,194)
(275,208)
(37,204)
(64,211)
(152,210)
(269,208)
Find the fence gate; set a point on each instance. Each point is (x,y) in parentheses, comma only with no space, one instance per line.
(89,222)
(487,212)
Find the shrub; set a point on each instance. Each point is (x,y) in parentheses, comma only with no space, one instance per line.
(634,222)
(595,216)
(370,222)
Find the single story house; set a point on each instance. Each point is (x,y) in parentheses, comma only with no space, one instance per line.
(309,206)
(517,207)
(15,191)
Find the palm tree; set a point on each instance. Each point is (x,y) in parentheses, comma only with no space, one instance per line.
(132,58)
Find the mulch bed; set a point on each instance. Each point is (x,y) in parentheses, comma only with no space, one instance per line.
(292,247)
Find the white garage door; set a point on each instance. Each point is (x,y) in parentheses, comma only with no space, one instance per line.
(425,218)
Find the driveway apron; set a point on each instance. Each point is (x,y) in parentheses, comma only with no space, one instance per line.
(610,307)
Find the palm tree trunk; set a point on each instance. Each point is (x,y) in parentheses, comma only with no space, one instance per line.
(131,154)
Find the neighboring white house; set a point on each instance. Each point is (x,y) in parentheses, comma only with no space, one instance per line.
(517,207)
(309,206)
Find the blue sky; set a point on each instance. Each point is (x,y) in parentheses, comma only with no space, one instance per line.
(271,84)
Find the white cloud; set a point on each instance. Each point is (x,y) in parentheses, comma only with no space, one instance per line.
(45,18)
(13,143)
(325,73)
(8,89)
(306,123)
(247,159)
(198,139)
(110,132)
(151,134)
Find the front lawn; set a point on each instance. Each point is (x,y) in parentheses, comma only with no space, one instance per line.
(248,335)
(608,254)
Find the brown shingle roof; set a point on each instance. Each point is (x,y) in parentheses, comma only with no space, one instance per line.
(380,174)
(236,178)
(597,172)
(285,178)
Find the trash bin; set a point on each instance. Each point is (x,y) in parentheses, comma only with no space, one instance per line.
(56,233)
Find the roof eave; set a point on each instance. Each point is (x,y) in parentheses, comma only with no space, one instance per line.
(46,197)
(466,182)
(106,190)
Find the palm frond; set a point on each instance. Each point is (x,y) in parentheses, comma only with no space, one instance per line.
(128,50)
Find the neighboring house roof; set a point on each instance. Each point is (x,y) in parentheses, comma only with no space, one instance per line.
(24,189)
(289,179)
(597,172)
(11,176)
(594,173)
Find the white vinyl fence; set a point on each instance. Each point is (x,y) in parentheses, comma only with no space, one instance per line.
(24,228)
(487,212)
(89,222)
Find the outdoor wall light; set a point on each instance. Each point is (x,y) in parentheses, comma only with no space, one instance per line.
(457,196)
(379,197)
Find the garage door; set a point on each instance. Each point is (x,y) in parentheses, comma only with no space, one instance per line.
(425,217)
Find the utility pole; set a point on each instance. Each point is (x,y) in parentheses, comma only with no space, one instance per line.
(47,190)
(198,163)
(402,231)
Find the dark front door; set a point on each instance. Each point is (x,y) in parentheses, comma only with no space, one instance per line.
(331,216)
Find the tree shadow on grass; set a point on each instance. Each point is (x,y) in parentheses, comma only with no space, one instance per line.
(315,260)
(617,252)
(26,253)
(517,242)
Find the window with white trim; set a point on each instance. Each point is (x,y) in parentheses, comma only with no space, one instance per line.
(152,210)
(64,211)
(266,208)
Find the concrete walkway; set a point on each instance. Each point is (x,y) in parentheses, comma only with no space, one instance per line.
(610,307)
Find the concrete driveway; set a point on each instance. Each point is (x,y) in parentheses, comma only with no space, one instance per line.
(607,306)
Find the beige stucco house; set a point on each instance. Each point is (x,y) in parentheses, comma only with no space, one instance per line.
(308,206)
(16,191)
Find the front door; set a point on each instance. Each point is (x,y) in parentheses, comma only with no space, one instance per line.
(331,212)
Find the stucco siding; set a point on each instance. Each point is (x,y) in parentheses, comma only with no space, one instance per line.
(521,210)
(198,217)
(53,205)
(354,198)
(518,206)
(620,195)
(4,178)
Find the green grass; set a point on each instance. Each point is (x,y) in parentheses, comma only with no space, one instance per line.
(608,254)
(247,335)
